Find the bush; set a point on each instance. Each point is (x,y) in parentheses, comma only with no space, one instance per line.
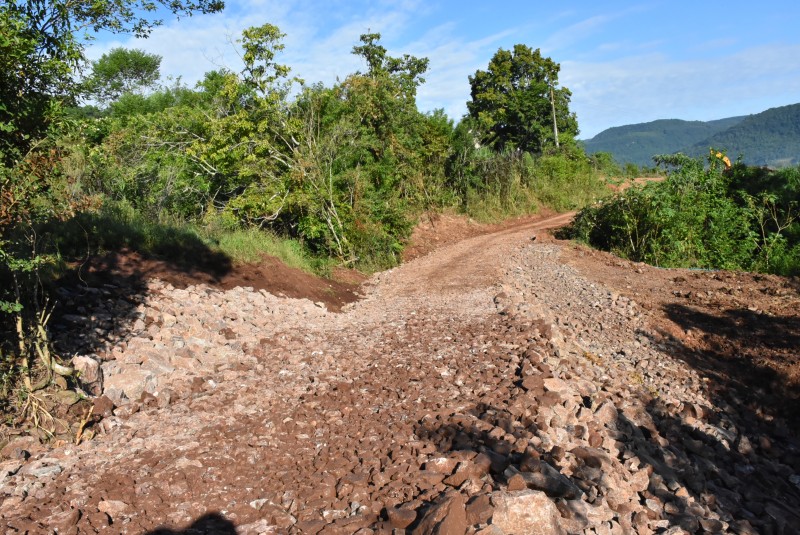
(699,217)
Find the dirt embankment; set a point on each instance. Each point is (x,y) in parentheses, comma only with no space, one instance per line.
(498,384)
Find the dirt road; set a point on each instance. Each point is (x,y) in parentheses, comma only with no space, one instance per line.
(497,385)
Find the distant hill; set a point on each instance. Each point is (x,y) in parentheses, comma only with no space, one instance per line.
(771,137)
(637,143)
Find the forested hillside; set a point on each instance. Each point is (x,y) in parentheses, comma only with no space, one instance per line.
(638,143)
(771,138)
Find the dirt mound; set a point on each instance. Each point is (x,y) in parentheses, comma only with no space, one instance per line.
(133,269)
(741,329)
(435,231)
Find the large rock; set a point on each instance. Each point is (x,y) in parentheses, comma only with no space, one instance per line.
(548,480)
(447,517)
(526,512)
(90,374)
(129,385)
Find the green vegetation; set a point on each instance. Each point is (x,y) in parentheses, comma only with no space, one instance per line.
(516,105)
(41,169)
(116,225)
(122,71)
(245,163)
(744,218)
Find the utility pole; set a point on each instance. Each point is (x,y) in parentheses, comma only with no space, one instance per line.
(553,105)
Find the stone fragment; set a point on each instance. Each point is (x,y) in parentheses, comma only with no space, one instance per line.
(555,384)
(441,465)
(401,517)
(63,521)
(115,509)
(103,406)
(90,374)
(490,530)
(712,525)
(19,448)
(446,517)
(526,512)
(606,413)
(574,515)
(42,468)
(549,480)
(479,510)
(129,385)
(260,527)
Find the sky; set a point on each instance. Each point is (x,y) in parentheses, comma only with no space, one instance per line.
(625,62)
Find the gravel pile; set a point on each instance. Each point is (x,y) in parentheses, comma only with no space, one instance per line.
(464,394)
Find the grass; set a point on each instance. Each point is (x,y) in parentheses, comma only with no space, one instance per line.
(248,246)
(493,208)
(117,225)
(564,184)
(525,185)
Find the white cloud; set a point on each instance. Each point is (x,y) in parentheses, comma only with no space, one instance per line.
(315,50)
(641,86)
(649,87)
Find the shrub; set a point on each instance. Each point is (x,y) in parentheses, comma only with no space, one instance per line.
(699,217)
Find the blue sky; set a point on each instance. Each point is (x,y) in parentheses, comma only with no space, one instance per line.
(625,62)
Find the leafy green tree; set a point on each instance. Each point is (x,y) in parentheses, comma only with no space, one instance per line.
(517,103)
(260,45)
(227,146)
(42,43)
(366,156)
(122,71)
(691,219)
(406,71)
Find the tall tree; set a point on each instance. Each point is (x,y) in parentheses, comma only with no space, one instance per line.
(122,71)
(517,103)
(42,44)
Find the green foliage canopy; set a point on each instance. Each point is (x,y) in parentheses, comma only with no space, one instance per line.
(41,54)
(702,217)
(41,47)
(121,71)
(512,101)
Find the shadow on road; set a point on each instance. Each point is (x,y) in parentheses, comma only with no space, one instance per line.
(743,353)
(208,524)
(697,459)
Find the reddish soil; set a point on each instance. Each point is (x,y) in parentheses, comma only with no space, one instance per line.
(132,268)
(742,329)
(438,230)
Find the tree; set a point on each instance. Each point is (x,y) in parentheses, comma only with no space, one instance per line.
(517,103)
(42,43)
(260,44)
(122,71)
(385,99)
(406,71)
